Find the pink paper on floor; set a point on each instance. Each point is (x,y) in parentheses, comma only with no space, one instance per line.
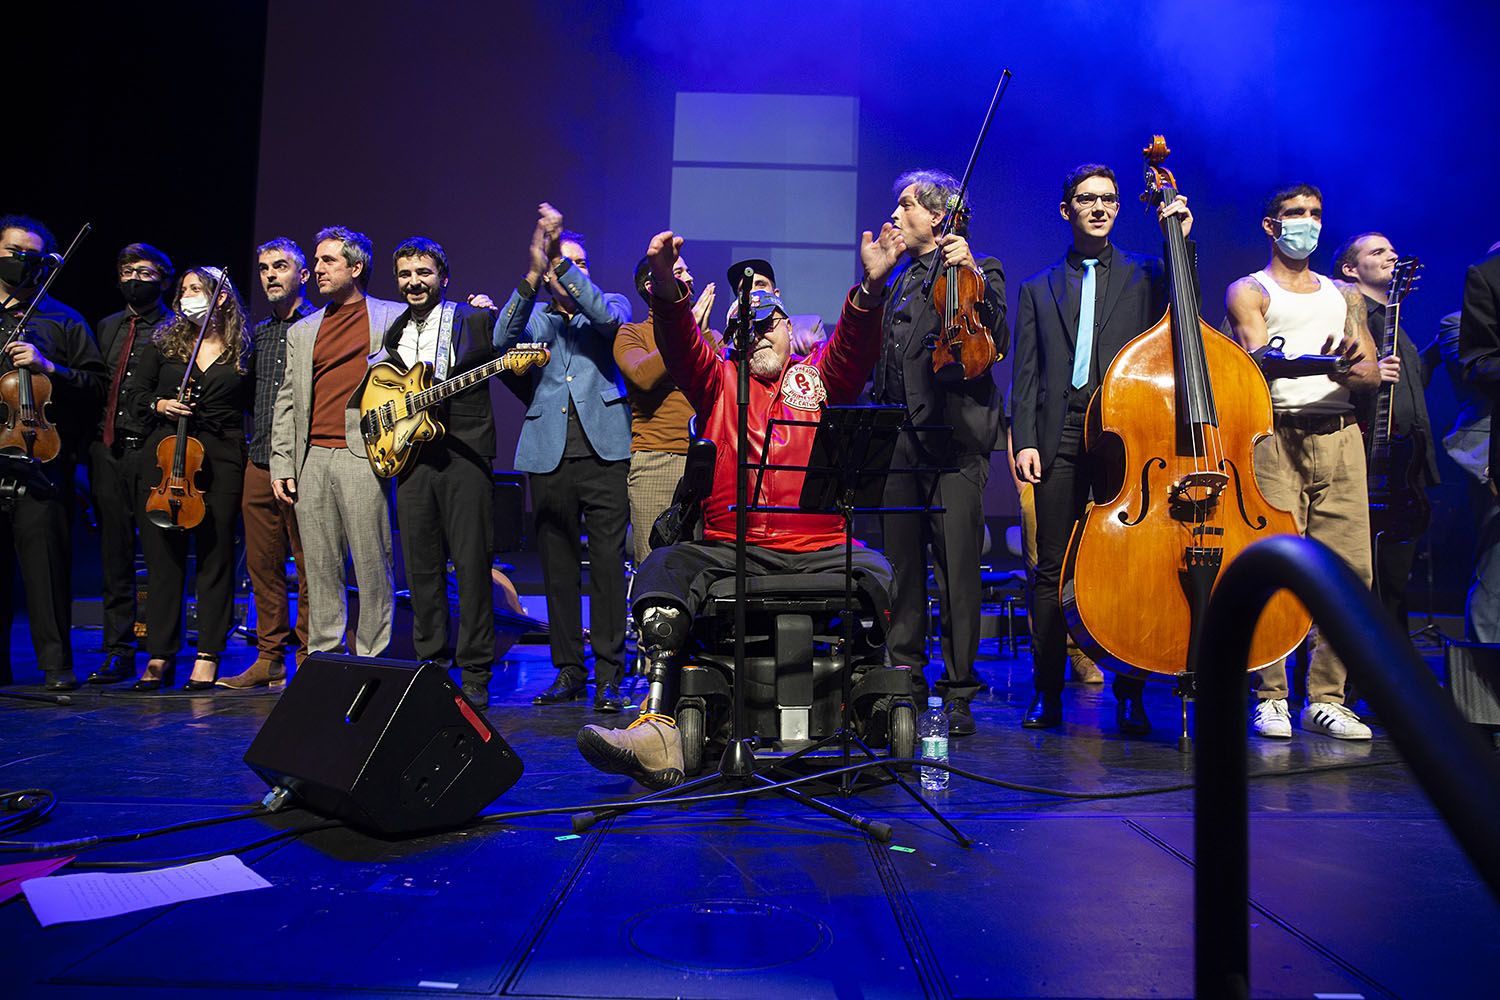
(11,876)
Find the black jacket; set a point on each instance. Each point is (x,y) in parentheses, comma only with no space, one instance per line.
(468,418)
(1042,372)
(1479,336)
(973,407)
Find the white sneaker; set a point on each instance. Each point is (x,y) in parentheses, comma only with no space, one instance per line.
(1272,719)
(1334,720)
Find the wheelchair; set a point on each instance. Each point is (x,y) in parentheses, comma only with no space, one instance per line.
(794,662)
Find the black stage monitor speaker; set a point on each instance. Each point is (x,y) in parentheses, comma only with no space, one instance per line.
(384,745)
(1474,680)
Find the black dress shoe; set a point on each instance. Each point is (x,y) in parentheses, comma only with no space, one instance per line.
(61,682)
(1045,712)
(607,698)
(115,668)
(961,718)
(567,687)
(1130,714)
(477,695)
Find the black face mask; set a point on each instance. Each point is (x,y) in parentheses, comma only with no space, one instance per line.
(19,271)
(140,294)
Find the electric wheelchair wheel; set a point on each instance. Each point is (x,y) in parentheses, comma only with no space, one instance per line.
(903,725)
(690,727)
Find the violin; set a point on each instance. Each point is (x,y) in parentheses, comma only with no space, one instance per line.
(176,502)
(1179,412)
(26,396)
(26,432)
(964,348)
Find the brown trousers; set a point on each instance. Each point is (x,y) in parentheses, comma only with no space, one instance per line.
(270,529)
(1320,478)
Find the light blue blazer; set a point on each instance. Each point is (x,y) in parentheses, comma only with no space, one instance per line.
(582,369)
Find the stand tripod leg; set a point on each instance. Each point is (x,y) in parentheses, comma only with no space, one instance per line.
(875,828)
(849,737)
(583,820)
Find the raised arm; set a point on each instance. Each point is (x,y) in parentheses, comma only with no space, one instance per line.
(851,352)
(685,353)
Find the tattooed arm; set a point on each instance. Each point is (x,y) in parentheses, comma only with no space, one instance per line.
(1357,345)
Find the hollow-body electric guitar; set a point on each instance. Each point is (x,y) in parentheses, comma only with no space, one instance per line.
(395,405)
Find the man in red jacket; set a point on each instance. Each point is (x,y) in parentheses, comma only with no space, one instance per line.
(673,581)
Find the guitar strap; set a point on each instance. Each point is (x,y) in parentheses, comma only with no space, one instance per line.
(445,341)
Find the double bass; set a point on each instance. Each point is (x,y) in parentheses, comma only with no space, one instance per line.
(176,502)
(1179,410)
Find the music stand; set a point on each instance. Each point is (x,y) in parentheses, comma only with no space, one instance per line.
(845,474)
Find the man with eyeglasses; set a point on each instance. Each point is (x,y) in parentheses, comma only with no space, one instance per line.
(904,376)
(145,277)
(36,497)
(575,448)
(1072,319)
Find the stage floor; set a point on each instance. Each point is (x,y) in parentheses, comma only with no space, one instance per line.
(1357,887)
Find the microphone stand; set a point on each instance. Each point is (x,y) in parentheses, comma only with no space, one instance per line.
(739,759)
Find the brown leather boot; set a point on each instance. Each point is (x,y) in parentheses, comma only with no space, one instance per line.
(264,672)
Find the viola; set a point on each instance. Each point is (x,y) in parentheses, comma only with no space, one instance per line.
(176,502)
(1178,411)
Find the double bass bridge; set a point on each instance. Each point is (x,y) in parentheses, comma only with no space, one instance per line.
(1194,495)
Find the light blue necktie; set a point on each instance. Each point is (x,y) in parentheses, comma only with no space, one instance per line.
(1083,348)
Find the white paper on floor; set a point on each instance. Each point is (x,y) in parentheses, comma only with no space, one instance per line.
(60,899)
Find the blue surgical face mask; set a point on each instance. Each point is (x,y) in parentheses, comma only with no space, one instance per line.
(1299,237)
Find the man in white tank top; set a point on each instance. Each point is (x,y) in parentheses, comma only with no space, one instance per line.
(1314,463)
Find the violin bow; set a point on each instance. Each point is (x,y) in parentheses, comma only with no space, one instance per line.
(963,185)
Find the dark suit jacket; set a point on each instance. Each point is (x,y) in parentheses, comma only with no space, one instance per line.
(468,418)
(973,407)
(1479,336)
(1042,372)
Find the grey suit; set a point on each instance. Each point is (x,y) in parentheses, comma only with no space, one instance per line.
(341,505)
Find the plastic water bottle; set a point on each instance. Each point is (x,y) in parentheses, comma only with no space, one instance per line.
(933,730)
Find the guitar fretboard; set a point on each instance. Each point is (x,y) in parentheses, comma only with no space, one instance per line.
(518,358)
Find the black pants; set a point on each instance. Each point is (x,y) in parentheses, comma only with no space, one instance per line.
(1393,563)
(955,538)
(682,574)
(35,513)
(115,481)
(166,565)
(1061,498)
(593,490)
(444,505)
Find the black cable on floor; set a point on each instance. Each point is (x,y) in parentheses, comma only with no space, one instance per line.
(99,840)
(25,808)
(622,805)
